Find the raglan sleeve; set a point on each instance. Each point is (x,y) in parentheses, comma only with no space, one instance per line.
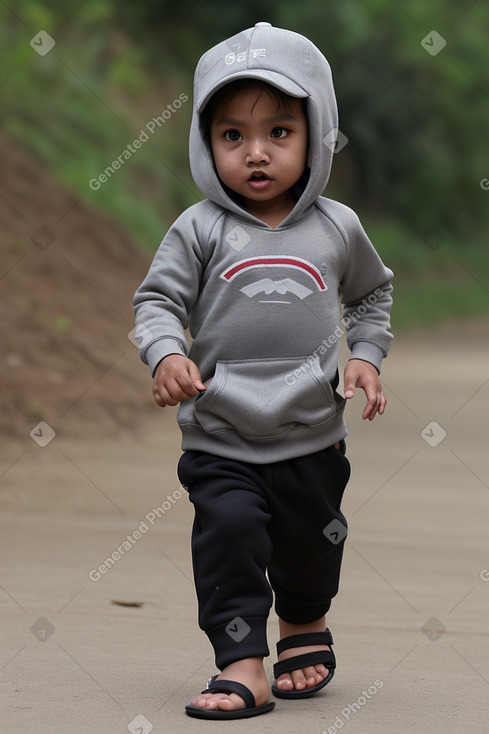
(366,294)
(164,300)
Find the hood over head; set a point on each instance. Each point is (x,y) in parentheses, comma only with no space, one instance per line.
(292,64)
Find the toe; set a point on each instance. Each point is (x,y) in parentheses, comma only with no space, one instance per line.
(213,701)
(198,701)
(311,676)
(322,671)
(299,679)
(285,682)
(233,702)
(206,700)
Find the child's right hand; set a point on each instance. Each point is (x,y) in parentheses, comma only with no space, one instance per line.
(176,379)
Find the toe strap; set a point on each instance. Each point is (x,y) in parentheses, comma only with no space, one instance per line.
(230,686)
(322,657)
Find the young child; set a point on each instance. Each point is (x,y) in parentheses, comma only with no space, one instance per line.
(257,271)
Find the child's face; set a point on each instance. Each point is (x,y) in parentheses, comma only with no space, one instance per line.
(260,148)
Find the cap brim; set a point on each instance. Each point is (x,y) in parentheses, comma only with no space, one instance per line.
(271,77)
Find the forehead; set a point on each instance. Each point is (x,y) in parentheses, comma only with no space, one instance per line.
(255,99)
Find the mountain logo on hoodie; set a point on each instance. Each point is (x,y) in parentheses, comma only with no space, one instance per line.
(281,285)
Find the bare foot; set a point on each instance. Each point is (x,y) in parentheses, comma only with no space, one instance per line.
(303,677)
(251,673)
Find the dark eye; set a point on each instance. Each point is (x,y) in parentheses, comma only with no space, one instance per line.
(278,132)
(232,135)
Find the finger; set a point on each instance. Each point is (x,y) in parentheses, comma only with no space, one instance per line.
(168,394)
(350,387)
(158,399)
(196,378)
(186,386)
(378,408)
(372,405)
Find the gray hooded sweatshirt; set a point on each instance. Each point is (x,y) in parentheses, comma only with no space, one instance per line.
(262,304)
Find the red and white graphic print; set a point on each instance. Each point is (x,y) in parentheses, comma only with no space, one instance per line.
(284,285)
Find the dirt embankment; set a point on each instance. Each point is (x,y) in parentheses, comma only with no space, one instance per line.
(67,277)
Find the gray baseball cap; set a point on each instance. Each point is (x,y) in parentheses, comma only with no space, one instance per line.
(282,58)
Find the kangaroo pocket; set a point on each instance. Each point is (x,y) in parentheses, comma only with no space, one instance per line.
(264,399)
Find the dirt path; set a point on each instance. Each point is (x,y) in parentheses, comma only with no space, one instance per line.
(410,622)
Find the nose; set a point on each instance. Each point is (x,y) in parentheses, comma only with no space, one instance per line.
(257,152)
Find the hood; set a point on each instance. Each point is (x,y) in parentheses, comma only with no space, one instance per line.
(294,65)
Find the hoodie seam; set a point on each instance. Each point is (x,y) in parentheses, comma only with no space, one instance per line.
(337,228)
(205,237)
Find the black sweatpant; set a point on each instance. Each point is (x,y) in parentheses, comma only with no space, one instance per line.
(281,519)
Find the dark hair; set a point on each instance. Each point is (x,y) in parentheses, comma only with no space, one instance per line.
(230,90)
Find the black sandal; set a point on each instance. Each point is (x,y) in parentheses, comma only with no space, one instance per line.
(324,657)
(229,686)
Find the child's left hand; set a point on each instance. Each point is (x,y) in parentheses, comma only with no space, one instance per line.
(359,373)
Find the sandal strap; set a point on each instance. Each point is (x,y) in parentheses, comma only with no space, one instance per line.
(321,657)
(304,639)
(231,686)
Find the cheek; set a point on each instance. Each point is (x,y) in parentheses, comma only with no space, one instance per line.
(226,166)
(297,159)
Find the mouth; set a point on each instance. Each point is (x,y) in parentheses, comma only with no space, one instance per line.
(259,180)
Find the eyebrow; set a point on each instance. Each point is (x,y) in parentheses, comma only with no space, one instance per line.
(283,117)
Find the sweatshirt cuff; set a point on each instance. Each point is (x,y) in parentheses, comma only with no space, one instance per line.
(160,349)
(368,352)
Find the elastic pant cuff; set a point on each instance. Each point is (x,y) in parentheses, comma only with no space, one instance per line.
(242,637)
(295,613)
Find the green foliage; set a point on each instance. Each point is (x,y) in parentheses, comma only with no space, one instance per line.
(78,108)
(416,123)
